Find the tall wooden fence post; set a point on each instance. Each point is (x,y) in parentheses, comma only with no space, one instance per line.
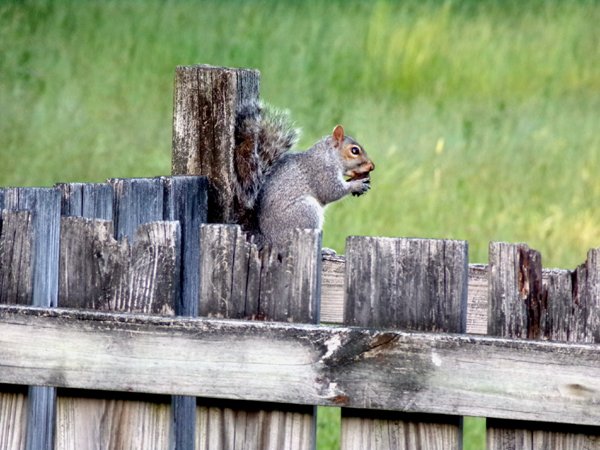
(411,284)
(205,103)
(206,100)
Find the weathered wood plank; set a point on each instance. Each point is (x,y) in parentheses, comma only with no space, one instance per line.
(258,282)
(585,322)
(238,282)
(16,287)
(206,101)
(136,201)
(303,364)
(140,272)
(290,282)
(333,289)
(477,299)
(561,305)
(44,204)
(114,276)
(186,202)
(112,424)
(91,200)
(13,417)
(412,284)
(255,422)
(16,254)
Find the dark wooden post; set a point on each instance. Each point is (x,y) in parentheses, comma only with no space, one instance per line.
(205,104)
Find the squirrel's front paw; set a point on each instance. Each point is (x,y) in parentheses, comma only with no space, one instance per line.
(359,187)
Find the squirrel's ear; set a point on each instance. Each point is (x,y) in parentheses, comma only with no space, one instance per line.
(338,133)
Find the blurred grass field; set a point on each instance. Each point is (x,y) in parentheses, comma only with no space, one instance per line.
(481,116)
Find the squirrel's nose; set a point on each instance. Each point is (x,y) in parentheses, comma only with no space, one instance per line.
(372,166)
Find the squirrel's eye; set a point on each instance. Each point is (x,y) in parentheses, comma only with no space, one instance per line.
(355,150)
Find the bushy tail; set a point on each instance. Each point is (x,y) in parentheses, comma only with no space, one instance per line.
(263,134)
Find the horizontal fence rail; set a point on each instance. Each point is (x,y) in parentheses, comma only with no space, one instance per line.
(304,364)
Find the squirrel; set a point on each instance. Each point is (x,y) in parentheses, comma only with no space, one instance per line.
(277,190)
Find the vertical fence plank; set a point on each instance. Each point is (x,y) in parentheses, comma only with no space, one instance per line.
(412,284)
(136,201)
(92,200)
(16,253)
(562,305)
(139,272)
(44,203)
(186,202)
(238,282)
(110,275)
(45,206)
(13,418)
(16,287)
(205,103)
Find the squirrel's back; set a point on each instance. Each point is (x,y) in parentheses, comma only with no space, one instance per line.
(263,135)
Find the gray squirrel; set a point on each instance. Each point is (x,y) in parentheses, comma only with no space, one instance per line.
(276,190)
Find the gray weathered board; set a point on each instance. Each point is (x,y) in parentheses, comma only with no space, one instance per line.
(237,281)
(409,284)
(565,306)
(302,364)
(16,287)
(44,205)
(125,266)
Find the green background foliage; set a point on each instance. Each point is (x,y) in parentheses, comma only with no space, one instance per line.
(481,116)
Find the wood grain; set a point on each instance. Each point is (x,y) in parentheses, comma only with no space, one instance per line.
(13,417)
(16,253)
(138,272)
(238,281)
(91,200)
(302,364)
(16,287)
(186,202)
(563,306)
(44,205)
(410,284)
(205,102)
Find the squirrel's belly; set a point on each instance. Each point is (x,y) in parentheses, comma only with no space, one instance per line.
(318,211)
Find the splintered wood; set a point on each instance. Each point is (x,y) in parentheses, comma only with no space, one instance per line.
(561,305)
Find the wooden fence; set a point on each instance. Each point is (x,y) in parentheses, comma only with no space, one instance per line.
(100,346)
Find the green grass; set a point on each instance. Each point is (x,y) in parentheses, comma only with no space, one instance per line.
(482,117)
